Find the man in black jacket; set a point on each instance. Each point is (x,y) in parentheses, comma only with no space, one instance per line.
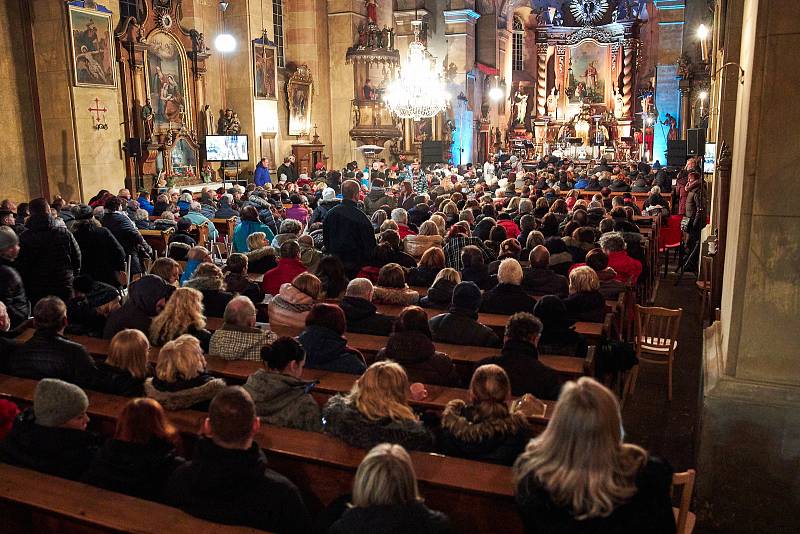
(520,359)
(347,232)
(146,298)
(48,354)
(12,292)
(507,296)
(48,256)
(51,437)
(126,233)
(460,324)
(228,480)
(539,279)
(361,314)
(288,170)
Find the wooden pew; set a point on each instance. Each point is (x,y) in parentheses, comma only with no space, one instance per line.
(225,227)
(158,240)
(35,502)
(477,496)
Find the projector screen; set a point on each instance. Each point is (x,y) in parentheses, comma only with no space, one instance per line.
(226,148)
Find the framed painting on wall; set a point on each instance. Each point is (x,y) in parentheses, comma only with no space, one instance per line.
(265,71)
(298,91)
(92,46)
(167,82)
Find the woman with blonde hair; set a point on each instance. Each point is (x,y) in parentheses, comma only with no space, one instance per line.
(441,224)
(168,269)
(376,410)
(294,301)
(183,314)
(261,256)
(181,381)
(209,280)
(126,367)
(428,236)
(585,302)
(579,476)
(483,428)
(386,497)
(441,291)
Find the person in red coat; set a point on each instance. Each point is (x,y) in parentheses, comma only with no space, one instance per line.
(289,266)
(627,268)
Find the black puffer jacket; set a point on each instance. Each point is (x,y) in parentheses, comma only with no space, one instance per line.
(322,209)
(363,317)
(101,253)
(140,308)
(439,295)
(128,237)
(461,327)
(12,293)
(50,355)
(347,233)
(48,258)
(520,360)
(507,299)
(110,379)
(376,198)
(394,519)
(63,452)
(418,356)
(133,468)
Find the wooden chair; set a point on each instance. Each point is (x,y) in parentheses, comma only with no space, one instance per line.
(684,519)
(703,284)
(655,338)
(158,240)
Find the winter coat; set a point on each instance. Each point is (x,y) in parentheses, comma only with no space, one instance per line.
(322,209)
(231,342)
(261,260)
(63,452)
(48,257)
(184,394)
(235,487)
(240,284)
(401,296)
(562,340)
(140,308)
(102,257)
(225,210)
(284,273)
(627,268)
(12,293)
(461,327)
(520,360)
(288,170)
(116,381)
(214,298)
(284,400)
(507,299)
(463,434)
(298,213)
(587,306)
(343,420)
(50,355)
(280,239)
(544,282)
(478,274)
(128,237)
(243,230)
(439,295)
(416,245)
(362,317)
(146,205)
(261,176)
(649,510)
(310,257)
(392,519)
(136,469)
(418,356)
(198,219)
(376,198)
(326,349)
(347,233)
(610,287)
(290,307)
(421,276)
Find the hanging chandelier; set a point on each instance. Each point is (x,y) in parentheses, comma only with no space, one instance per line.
(418,92)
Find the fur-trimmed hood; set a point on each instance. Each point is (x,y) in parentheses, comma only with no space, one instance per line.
(260,253)
(204,283)
(181,399)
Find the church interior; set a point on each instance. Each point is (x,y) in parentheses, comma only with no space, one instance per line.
(511,100)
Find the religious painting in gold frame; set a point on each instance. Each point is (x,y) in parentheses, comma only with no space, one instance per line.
(92,44)
(166,70)
(299,91)
(265,71)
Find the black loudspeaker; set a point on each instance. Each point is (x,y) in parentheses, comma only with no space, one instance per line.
(695,142)
(432,152)
(676,153)
(133,146)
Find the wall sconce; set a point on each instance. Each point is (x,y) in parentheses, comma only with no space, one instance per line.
(702,34)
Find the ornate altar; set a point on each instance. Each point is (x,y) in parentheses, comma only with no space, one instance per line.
(163,89)
(586,62)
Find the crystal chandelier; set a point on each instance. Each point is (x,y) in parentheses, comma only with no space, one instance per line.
(419,92)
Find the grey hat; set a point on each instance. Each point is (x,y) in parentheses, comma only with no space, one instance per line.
(7,238)
(55,402)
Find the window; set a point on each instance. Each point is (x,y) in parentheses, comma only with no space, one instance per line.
(129,8)
(517,45)
(277,26)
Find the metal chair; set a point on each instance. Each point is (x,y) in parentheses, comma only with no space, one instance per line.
(656,339)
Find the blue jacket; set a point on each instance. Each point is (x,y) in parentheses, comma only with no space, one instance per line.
(261,176)
(191,267)
(243,231)
(581,184)
(145,205)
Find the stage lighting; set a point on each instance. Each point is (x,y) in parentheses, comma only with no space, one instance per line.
(496,94)
(225,42)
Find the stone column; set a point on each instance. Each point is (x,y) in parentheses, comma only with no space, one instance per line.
(541,80)
(628,62)
(685,87)
(748,447)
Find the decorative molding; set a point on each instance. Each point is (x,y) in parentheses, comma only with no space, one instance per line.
(456,16)
(595,34)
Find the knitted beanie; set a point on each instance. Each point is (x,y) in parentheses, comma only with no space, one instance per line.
(55,402)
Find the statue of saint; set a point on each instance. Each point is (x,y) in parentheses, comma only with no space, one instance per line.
(521,100)
(552,101)
(147,120)
(372,10)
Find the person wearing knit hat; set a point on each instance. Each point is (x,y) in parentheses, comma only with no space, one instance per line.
(460,324)
(51,437)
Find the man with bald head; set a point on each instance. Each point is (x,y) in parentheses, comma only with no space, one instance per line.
(347,232)
(239,338)
(538,279)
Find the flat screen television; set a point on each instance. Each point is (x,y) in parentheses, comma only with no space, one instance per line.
(226,148)
(710,158)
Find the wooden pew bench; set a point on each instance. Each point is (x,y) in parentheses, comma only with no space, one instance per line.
(478,497)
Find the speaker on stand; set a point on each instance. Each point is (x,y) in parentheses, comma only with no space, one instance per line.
(695,141)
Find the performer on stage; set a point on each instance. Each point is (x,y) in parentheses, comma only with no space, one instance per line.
(672,124)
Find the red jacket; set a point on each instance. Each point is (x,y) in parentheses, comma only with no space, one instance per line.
(404,230)
(284,273)
(512,231)
(627,268)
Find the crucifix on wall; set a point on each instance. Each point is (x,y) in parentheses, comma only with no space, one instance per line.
(99,122)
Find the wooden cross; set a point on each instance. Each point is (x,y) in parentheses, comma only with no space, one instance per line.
(97,110)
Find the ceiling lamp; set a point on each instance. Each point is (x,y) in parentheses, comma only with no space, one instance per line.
(419,92)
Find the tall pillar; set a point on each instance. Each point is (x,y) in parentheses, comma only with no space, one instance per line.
(685,88)
(749,447)
(628,63)
(541,80)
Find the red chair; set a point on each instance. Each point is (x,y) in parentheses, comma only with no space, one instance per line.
(669,238)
